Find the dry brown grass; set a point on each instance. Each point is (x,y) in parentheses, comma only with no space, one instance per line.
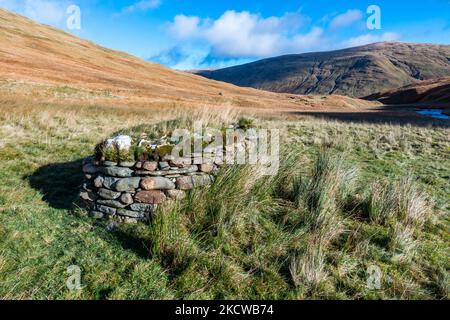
(48,63)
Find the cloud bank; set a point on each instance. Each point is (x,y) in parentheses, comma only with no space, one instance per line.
(241,36)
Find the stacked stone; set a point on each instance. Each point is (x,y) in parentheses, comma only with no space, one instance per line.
(130,191)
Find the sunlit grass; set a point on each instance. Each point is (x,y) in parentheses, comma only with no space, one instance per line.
(347,197)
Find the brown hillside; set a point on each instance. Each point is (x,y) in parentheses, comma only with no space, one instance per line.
(431,91)
(355,72)
(32,53)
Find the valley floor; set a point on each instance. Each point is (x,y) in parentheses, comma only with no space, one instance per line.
(349,197)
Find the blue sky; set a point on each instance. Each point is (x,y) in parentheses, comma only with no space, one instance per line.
(192,34)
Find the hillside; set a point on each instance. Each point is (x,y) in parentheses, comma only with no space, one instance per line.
(355,72)
(33,54)
(436,91)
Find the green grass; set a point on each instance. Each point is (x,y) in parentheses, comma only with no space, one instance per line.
(347,197)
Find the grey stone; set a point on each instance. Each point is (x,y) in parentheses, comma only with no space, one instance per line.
(129,213)
(88,176)
(142,207)
(109,182)
(117,171)
(126,198)
(138,165)
(127,184)
(127,164)
(111,226)
(111,203)
(192,168)
(109,163)
(108,194)
(90,168)
(107,210)
(154,183)
(201,180)
(98,182)
(97,214)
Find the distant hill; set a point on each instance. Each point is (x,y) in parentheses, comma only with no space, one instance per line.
(355,72)
(431,91)
(39,54)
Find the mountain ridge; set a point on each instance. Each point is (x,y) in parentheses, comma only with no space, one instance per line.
(356,72)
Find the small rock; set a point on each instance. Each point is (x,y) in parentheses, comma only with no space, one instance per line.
(108,194)
(111,203)
(127,164)
(138,165)
(129,213)
(126,198)
(88,196)
(181,162)
(127,184)
(90,168)
(107,210)
(160,183)
(151,197)
(88,176)
(97,214)
(150,166)
(109,182)
(111,226)
(117,172)
(175,194)
(201,180)
(142,207)
(206,167)
(185,183)
(98,182)
(109,163)
(122,142)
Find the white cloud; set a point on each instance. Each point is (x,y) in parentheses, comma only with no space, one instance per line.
(371,38)
(184,26)
(346,19)
(143,5)
(243,34)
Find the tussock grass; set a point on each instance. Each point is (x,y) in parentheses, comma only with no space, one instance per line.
(344,199)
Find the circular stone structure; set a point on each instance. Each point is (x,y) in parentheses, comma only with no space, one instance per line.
(126,183)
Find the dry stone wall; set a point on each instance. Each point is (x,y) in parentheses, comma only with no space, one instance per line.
(129,191)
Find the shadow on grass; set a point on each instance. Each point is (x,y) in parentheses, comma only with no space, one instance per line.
(59,183)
